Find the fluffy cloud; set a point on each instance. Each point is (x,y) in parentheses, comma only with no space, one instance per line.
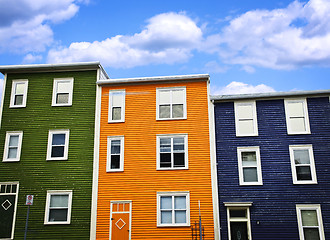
(240,88)
(167,38)
(24,24)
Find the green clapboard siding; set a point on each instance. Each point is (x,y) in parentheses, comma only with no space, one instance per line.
(36,175)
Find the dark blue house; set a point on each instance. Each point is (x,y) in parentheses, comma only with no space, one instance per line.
(273,163)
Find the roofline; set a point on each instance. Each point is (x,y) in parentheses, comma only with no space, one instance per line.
(51,67)
(154,79)
(314,93)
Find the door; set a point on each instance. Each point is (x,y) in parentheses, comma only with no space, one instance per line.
(120,220)
(238,231)
(8,196)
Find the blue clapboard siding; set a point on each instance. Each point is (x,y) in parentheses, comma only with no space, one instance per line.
(274,203)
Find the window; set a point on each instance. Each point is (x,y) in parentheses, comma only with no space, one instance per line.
(246,119)
(238,215)
(173,209)
(18,93)
(58,207)
(302,164)
(310,222)
(296,116)
(115,161)
(171,103)
(62,92)
(172,152)
(249,166)
(58,145)
(13,146)
(116,106)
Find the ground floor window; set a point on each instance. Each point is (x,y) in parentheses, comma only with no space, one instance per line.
(58,207)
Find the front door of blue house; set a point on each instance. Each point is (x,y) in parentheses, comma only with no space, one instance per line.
(238,231)
(8,197)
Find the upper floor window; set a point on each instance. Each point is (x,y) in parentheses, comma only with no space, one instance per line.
(13,145)
(302,164)
(171,103)
(58,145)
(246,119)
(62,92)
(18,93)
(116,106)
(172,152)
(296,112)
(115,161)
(310,222)
(249,166)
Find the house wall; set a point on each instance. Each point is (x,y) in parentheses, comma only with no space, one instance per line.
(140,181)
(34,173)
(274,202)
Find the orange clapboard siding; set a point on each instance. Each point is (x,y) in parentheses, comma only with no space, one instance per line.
(140,181)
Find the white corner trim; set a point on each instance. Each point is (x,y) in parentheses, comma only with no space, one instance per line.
(3,96)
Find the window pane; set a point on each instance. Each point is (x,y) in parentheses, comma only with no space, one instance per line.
(309,218)
(311,234)
(301,156)
(13,188)
(13,141)
(304,173)
(180,216)
(3,189)
(250,175)
(59,201)
(58,139)
(165,160)
(177,110)
(165,202)
(246,127)
(166,216)
(117,99)
(115,146)
(56,215)
(57,151)
(64,87)
(165,144)
(18,100)
(12,152)
(249,159)
(298,124)
(164,111)
(241,213)
(62,98)
(116,113)
(164,97)
(179,160)
(177,96)
(115,162)
(245,111)
(20,88)
(180,202)
(296,109)
(178,144)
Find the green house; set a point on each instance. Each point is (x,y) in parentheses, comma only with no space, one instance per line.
(47,138)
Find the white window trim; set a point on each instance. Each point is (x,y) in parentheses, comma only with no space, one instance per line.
(171,194)
(19,147)
(13,88)
(121,161)
(238,206)
(312,164)
(254,115)
(56,80)
(317,208)
(58,192)
(185,136)
(184,102)
(122,118)
(66,146)
(306,118)
(240,165)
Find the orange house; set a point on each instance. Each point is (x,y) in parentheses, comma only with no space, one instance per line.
(155,164)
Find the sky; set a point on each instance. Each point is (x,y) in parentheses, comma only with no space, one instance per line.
(246,46)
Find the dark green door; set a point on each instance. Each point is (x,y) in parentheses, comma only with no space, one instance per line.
(238,231)
(7,207)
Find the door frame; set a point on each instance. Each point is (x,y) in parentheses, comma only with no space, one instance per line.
(129,212)
(15,207)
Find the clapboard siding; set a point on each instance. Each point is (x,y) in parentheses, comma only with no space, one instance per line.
(140,181)
(34,173)
(274,203)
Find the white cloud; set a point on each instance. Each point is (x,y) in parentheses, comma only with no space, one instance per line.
(214,67)
(240,88)
(30,58)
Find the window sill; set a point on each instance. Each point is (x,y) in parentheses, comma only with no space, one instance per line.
(164,169)
(111,171)
(121,121)
(302,183)
(56,159)
(18,106)
(11,160)
(166,119)
(174,225)
(56,223)
(251,184)
(61,105)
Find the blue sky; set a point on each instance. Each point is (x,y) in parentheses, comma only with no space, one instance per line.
(246,46)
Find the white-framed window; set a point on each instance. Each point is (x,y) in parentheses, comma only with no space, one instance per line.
(246,118)
(310,222)
(302,164)
(171,103)
(238,217)
(13,146)
(173,209)
(116,106)
(19,90)
(58,207)
(296,113)
(115,155)
(58,145)
(62,92)
(172,151)
(249,166)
